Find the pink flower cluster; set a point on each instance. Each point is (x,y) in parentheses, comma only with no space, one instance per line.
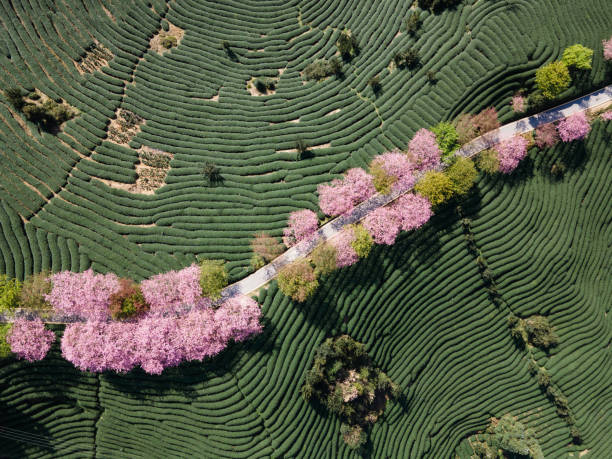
(396,164)
(425,150)
(342,195)
(302,226)
(85,294)
(383,225)
(574,127)
(156,342)
(607,116)
(510,153)
(518,103)
(412,211)
(345,253)
(169,292)
(29,339)
(607,49)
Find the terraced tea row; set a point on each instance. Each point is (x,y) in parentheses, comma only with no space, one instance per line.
(196,106)
(428,322)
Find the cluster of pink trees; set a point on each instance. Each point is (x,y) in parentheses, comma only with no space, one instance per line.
(396,166)
(156,342)
(302,226)
(345,253)
(29,339)
(342,195)
(607,116)
(607,49)
(173,290)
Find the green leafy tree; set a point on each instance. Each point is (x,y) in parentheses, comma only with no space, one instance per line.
(578,56)
(347,44)
(213,277)
(363,243)
(33,291)
(324,259)
(298,280)
(435,186)
(462,174)
(487,161)
(5,348)
(10,290)
(552,79)
(15,97)
(446,138)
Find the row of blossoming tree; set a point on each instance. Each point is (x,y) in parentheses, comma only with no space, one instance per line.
(159,323)
(416,168)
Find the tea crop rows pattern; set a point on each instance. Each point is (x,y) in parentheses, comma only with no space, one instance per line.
(55,213)
(427,320)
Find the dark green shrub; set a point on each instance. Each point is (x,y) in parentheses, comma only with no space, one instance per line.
(302,150)
(212,173)
(347,45)
(407,59)
(540,332)
(213,278)
(127,302)
(322,68)
(432,77)
(15,97)
(414,22)
(437,5)
(34,96)
(374,83)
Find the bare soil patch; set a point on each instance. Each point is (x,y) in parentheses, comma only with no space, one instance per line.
(124,127)
(95,57)
(157,42)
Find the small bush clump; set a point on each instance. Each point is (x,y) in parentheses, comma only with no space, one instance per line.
(488,161)
(168,41)
(552,79)
(435,186)
(33,291)
(414,22)
(347,45)
(578,57)
(128,301)
(407,59)
(446,138)
(324,259)
(10,290)
(323,68)
(363,243)
(264,84)
(462,174)
(507,437)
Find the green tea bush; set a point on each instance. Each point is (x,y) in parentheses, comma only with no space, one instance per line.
(213,278)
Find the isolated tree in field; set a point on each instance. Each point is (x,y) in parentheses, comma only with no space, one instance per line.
(298,280)
(392,171)
(578,57)
(302,225)
(374,83)
(488,161)
(553,79)
(267,247)
(462,174)
(437,187)
(424,149)
(546,135)
(574,127)
(342,195)
(447,138)
(412,211)
(486,121)
(607,49)
(29,339)
(383,224)
(510,153)
(213,277)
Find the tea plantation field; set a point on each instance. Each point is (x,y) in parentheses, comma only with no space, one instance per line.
(427,320)
(62,203)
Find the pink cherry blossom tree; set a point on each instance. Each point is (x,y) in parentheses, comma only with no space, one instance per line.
(546,135)
(302,226)
(607,116)
(607,49)
(425,150)
(29,339)
(518,103)
(412,211)
(574,127)
(342,195)
(511,152)
(238,319)
(345,253)
(85,294)
(173,290)
(394,167)
(383,225)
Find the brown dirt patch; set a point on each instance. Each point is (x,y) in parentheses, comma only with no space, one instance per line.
(156,42)
(250,86)
(124,127)
(109,14)
(95,57)
(310,147)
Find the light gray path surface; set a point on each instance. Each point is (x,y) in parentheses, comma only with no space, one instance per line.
(261,277)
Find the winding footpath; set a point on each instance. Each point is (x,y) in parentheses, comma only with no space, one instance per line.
(261,277)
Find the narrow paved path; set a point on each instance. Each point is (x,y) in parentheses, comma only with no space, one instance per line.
(261,277)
